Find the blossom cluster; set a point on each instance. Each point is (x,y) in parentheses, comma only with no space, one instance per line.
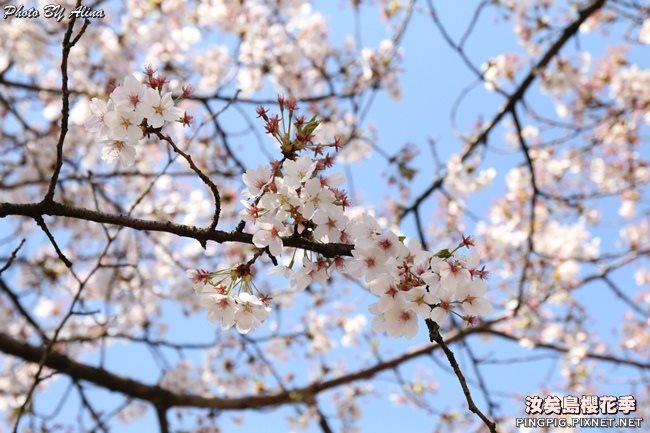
(502,67)
(414,285)
(293,198)
(228,298)
(285,198)
(630,90)
(132,107)
(378,67)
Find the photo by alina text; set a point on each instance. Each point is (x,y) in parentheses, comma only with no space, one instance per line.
(52,11)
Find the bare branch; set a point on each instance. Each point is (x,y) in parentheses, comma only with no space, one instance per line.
(41,223)
(434,335)
(530,246)
(160,396)
(12,257)
(35,210)
(65,107)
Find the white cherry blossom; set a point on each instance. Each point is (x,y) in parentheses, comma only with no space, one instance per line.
(644,33)
(124,125)
(96,123)
(130,95)
(402,321)
(472,296)
(118,149)
(440,312)
(256,179)
(159,109)
(453,275)
(421,300)
(221,309)
(298,171)
(250,313)
(330,224)
(268,234)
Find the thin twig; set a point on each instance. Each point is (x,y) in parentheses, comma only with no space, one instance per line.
(65,106)
(434,335)
(206,180)
(21,309)
(11,259)
(41,223)
(530,245)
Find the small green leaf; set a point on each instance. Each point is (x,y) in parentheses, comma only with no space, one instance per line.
(310,126)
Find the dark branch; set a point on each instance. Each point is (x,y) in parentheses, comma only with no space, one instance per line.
(41,223)
(204,177)
(65,106)
(34,210)
(167,399)
(530,245)
(11,259)
(434,335)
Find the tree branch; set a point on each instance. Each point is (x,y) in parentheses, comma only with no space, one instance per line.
(515,97)
(41,223)
(19,306)
(167,399)
(206,180)
(65,106)
(597,356)
(163,422)
(11,259)
(34,210)
(530,245)
(434,335)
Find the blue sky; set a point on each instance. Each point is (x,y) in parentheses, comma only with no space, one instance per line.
(432,79)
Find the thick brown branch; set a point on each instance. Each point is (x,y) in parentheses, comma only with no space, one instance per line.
(163,423)
(216,97)
(167,399)
(163,398)
(35,210)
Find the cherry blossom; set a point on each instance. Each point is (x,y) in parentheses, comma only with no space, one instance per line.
(504,66)
(440,312)
(124,124)
(256,180)
(268,234)
(321,225)
(130,95)
(159,109)
(297,172)
(221,309)
(402,321)
(644,33)
(472,298)
(250,312)
(119,121)
(96,123)
(118,149)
